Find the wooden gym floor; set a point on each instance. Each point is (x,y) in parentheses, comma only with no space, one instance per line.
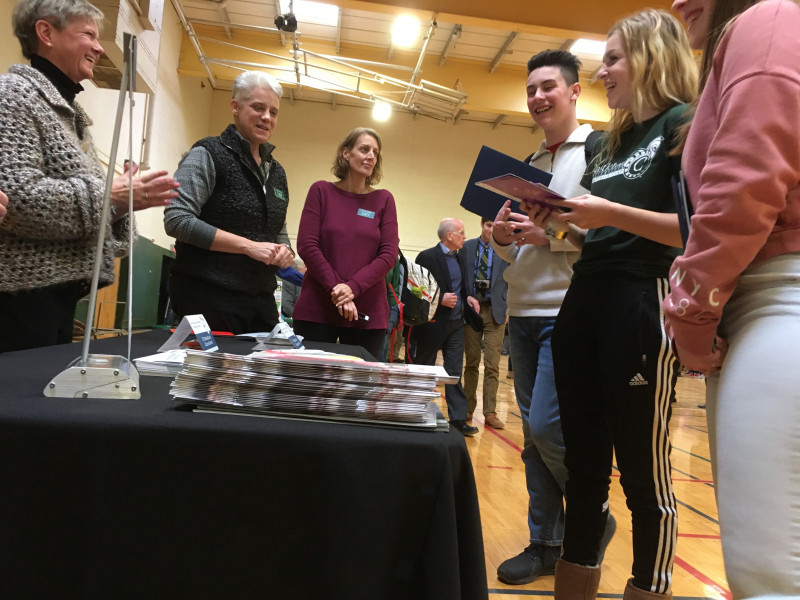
(698,571)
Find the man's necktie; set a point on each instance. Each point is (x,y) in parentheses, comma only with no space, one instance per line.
(483,264)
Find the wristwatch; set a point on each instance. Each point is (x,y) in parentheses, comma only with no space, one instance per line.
(554,234)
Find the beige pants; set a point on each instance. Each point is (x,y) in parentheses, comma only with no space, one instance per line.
(492,337)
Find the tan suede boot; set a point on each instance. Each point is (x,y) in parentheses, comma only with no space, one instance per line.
(634,593)
(576,582)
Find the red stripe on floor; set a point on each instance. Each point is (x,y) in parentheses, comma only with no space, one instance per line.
(498,467)
(702,577)
(502,437)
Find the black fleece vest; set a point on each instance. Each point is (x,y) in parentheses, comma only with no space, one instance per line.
(239,204)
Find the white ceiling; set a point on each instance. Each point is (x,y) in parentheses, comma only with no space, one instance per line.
(332,52)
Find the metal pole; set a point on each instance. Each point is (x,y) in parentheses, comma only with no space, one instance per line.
(131,85)
(129,41)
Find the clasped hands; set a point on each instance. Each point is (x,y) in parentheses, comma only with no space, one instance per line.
(270,254)
(342,297)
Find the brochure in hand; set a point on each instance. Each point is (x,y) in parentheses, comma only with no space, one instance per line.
(489,166)
(519,189)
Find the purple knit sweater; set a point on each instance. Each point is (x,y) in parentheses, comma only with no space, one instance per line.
(346,238)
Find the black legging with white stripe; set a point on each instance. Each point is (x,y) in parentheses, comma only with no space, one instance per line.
(615,377)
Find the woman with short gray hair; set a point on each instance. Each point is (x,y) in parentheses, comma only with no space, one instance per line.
(246,82)
(59,13)
(229,219)
(53,179)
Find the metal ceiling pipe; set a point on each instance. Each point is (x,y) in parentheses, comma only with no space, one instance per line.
(418,67)
(428,36)
(192,38)
(149,106)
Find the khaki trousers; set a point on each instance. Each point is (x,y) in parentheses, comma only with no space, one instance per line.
(492,336)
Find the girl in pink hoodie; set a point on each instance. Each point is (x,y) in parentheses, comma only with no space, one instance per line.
(734,308)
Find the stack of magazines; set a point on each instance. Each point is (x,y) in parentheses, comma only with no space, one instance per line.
(322,387)
(163,364)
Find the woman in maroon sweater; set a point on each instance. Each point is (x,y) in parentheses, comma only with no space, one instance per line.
(348,240)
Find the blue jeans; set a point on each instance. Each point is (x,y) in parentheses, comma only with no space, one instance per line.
(543,451)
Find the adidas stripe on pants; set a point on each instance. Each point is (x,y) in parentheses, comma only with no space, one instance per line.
(615,378)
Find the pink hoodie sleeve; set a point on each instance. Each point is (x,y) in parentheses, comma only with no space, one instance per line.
(746,159)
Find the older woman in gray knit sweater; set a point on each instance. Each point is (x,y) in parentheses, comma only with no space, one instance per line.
(53,178)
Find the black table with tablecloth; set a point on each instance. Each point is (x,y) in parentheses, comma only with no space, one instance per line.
(110,499)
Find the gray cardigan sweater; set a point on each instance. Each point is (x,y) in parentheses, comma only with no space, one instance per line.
(55,186)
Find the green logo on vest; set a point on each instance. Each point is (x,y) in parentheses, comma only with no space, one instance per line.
(279,193)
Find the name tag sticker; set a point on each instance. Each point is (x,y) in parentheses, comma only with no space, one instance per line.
(362,212)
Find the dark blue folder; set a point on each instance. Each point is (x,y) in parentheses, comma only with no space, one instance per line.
(491,163)
(683,205)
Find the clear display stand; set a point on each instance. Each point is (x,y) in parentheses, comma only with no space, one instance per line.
(104,375)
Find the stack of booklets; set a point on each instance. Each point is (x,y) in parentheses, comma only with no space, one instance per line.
(163,364)
(313,386)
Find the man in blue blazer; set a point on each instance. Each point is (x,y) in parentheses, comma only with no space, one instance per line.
(486,284)
(445,331)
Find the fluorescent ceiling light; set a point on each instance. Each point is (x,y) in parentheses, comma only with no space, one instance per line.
(405,31)
(314,13)
(586,47)
(381,111)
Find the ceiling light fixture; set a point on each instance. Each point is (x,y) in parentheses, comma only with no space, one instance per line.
(586,47)
(381,111)
(405,31)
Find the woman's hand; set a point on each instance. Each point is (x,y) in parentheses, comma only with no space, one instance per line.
(348,310)
(3,204)
(592,212)
(586,211)
(341,294)
(153,188)
(705,363)
(269,253)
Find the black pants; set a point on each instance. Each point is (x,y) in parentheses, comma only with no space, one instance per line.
(615,375)
(224,309)
(447,336)
(369,339)
(42,317)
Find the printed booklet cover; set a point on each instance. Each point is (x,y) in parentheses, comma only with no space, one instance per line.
(491,165)
(516,188)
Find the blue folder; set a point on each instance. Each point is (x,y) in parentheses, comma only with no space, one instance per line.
(491,163)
